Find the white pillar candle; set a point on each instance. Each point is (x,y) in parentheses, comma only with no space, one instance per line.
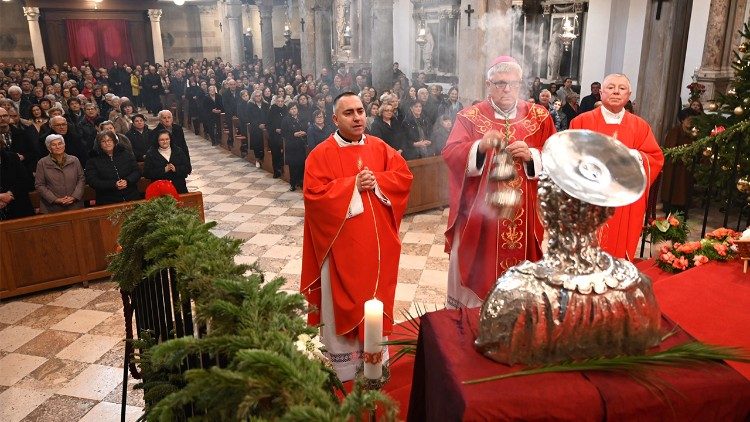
(373,337)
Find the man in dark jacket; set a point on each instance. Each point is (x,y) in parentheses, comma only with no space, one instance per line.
(177,135)
(589,102)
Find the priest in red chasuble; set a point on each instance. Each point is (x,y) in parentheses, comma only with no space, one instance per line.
(480,245)
(619,236)
(355,188)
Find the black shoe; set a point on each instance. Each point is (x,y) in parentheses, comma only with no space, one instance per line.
(292,188)
(276,175)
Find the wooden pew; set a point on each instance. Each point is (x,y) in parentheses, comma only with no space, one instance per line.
(430,186)
(237,138)
(250,151)
(53,250)
(267,163)
(224,131)
(285,167)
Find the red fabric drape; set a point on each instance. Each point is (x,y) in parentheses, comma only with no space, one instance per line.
(102,42)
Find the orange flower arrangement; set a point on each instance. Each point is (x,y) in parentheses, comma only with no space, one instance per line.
(670,228)
(717,246)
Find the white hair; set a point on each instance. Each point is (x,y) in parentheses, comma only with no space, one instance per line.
(617,75)
(163,113)
(15,88)
(54,137)
(505,67)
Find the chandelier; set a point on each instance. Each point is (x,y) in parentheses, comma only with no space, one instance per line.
(568,36)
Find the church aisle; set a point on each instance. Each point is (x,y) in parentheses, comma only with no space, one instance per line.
(61,351)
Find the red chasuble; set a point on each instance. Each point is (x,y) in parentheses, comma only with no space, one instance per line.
(619,236)
(488,246)
(363,251)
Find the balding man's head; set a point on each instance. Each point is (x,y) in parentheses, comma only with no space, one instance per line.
(165,117)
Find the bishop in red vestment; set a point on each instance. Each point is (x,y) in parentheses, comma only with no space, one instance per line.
(619,236)
(480,245)
(355,189)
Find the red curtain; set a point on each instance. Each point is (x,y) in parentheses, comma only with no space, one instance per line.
(101,41)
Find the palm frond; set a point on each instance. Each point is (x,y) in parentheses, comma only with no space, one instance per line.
(684,355)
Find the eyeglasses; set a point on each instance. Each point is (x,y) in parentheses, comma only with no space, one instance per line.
(504,84)
(107,141)
(60,124)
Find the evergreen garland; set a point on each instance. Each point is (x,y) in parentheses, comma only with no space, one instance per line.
(250,328)
(722,133)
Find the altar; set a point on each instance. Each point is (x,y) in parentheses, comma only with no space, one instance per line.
(707,303)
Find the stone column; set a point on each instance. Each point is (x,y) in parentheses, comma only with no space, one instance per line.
(658,89)
(155,16)
(489,36)
(307,36)
(234,22)
(323,35)
(724,20)
(382,41)
(208,28)
(265,7)
(37,47)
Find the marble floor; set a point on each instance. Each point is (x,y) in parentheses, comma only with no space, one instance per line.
(61,351)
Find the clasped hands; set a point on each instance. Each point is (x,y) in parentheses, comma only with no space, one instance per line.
(517,149)
(365,180)
(65,200)
(424,143)
(121,184)
(5,199)
(169,167)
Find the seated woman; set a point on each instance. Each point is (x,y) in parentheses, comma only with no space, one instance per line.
(59,178)
(112,171)
(139,135)
(417,134)
(294,133)
(167,162)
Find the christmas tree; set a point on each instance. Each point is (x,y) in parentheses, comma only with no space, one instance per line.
(720,155)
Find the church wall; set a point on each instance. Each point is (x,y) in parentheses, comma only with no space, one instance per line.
(634,42)
(182,35)
(595,42)
(696,41)
(15,41)
(404,47)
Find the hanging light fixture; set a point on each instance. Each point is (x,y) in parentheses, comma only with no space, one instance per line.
(567,37)
(287,31)
(421,35)
(179,2)
(347,36)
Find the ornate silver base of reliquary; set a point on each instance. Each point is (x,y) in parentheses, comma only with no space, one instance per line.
(578,301)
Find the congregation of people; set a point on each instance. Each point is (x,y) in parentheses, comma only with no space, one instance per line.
(293,110)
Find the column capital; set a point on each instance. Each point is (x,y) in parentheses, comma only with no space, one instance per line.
(206,9)
(322,4)
(155,15)
(265,8)
(31,13)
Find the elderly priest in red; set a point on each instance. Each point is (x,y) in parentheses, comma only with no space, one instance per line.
(482,246)
(619,236)
(355,188)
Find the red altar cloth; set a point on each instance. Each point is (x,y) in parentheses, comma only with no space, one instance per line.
(446,357)
(710,302)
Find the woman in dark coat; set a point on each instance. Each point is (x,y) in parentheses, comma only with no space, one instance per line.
(387,128)
(112,171)
(294,132)
(275,115)
(317,131)
(139,135)
(152,90)
(212,108)
(305,109)
(417,134)
(167,162)
(257,116)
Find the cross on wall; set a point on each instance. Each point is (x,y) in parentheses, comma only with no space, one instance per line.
(469,10)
